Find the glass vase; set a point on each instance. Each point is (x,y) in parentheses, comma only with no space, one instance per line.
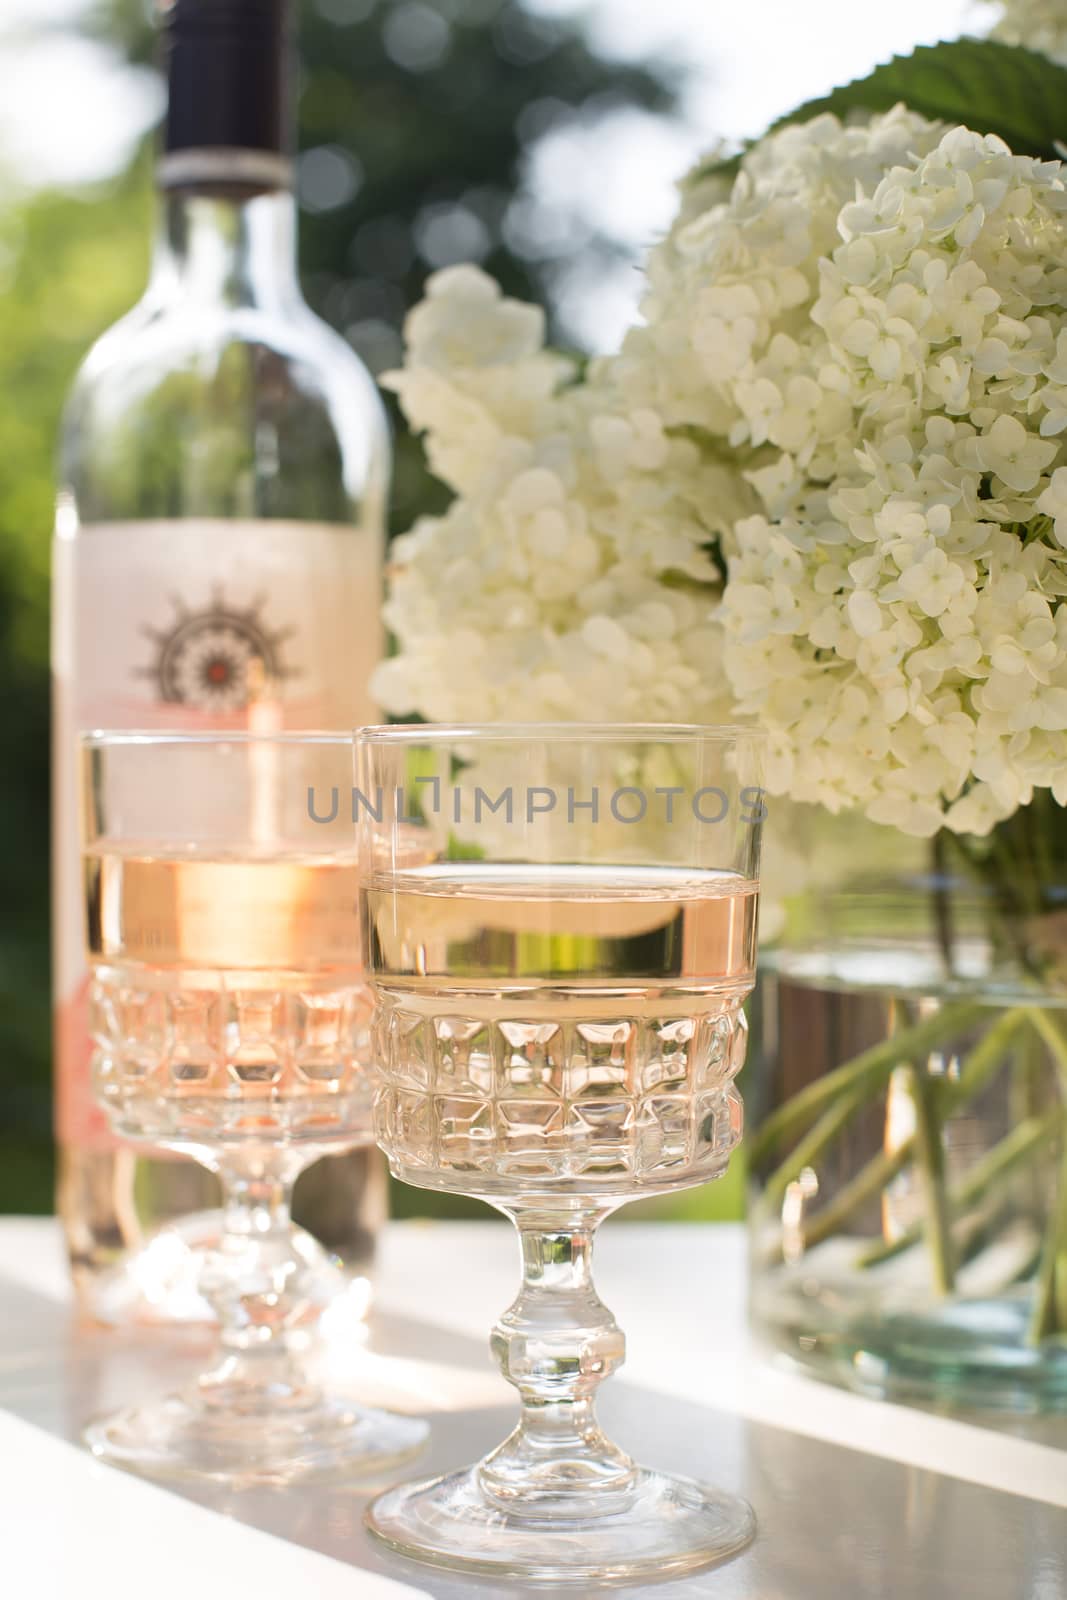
(908,1220)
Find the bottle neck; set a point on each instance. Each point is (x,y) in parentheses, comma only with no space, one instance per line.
(226,247)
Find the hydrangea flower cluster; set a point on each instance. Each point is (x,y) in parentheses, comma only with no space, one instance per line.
(823,484)
(571,574)
(1037,24)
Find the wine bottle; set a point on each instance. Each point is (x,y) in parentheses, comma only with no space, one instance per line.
(217,564)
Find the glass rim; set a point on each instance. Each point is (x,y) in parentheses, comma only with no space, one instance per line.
(106,739)
(397,733)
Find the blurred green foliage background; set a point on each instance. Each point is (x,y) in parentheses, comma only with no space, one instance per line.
(416,125)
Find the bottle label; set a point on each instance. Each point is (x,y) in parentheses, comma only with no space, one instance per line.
(181,625)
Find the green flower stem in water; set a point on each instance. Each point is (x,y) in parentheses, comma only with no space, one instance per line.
(1002,1159)
(930,1151)
(1050,1304)
(978,1067)
(935,1099)
(877,1175)
(934,1102)
(1054,1039)
(812,1145)
(865,1073)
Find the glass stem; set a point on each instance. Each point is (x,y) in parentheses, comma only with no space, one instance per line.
(557,1343)
(257,1284)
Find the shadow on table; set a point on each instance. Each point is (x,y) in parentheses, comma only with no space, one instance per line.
(834,1524)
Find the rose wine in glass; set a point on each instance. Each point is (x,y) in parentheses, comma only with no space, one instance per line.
(227,988)
(230,1023)
(587,1021)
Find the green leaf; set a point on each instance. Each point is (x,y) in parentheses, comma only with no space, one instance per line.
(725,167)
(987,86)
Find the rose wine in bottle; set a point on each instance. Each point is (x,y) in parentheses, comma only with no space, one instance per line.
(217,564)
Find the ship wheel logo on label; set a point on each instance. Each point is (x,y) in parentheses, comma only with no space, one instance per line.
(218,658)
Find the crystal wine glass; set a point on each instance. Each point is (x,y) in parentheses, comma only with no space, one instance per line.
(558,988)
(230,1023)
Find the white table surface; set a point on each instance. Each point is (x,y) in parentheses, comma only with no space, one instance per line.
(856,1499)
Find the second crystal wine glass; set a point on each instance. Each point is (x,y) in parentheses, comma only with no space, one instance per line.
(231,1023)
(558,986)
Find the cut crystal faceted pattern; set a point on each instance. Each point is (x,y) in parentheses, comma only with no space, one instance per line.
(633,1101)
(173,1063)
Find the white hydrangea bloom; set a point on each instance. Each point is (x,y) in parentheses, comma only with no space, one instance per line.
(570,576)
(917,570)
(1037,24)
(850,385)
(1053,502)
(477,374)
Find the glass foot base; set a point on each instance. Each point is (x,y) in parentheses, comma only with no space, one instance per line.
(668,1525)
(182,1436)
